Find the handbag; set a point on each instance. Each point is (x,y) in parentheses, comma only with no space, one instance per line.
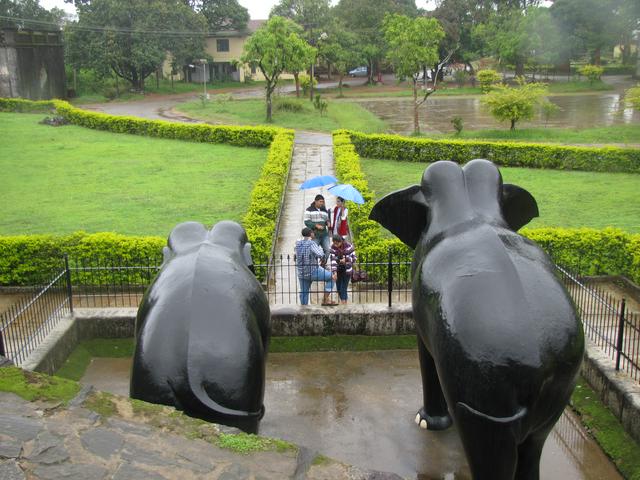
(359,275)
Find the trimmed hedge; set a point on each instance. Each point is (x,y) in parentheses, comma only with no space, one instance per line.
(509,154)
(232,135)
(591,252)
(266,196)
(23,258)
(21,105)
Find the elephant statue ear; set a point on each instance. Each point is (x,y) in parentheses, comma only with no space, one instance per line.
(186,236)
(403,213)
(518,206)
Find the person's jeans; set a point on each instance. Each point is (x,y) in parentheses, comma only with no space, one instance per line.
(342,283)
(325,242)
(319,274)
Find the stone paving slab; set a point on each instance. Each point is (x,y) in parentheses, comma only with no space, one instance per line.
(51,441)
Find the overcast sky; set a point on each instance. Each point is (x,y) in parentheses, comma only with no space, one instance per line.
(258,9)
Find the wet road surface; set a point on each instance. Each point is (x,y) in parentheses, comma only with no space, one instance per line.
(358,407)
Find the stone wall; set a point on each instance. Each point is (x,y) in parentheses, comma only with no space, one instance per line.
(31,64)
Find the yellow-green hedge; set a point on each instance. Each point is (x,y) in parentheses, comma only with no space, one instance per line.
(593,252)
(510,154)
(23,258)
(21,105)
(266,196)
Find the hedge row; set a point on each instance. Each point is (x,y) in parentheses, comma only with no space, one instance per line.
(591,252)
(21,105)
(232,135)
(266,196)
(510,154)
(23,258)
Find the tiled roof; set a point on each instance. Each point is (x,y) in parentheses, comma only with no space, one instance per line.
(252,26)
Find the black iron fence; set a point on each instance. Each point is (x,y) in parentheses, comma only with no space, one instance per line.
(122,282)
(32,314)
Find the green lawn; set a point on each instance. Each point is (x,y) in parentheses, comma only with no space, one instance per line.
(63,179)
(623,134)
(565,198)
(253,112)
(165,88)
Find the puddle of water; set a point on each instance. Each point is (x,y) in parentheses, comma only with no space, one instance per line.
(577,111)
(358,407)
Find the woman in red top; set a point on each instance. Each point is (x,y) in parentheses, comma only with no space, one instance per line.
(339,225)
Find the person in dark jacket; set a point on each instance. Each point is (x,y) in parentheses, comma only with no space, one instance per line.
(343,256)
(317,218)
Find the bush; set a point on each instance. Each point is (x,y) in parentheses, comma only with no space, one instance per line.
(460,77)
(592,72)
(632,97)
(288,105)
(590,251)
(514,103)
(457,124)
(305,83)
(511,154)
(266,196)
(320,104)
(487,78)
(21,105)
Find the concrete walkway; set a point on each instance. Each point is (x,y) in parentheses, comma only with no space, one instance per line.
(312,156)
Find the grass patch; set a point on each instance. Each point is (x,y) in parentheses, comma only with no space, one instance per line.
(578,86)
(61,180)
(626,134)
(76,364)
(102,403)
(247,443)
(342,343)
(607,431)
(253,112)
(568,199)
(165,88)
(37,386)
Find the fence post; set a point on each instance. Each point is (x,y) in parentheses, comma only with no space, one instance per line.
(389,278)
(620,334)
(3,353)
(68,277)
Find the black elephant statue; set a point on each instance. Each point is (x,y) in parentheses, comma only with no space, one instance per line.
(203,327)
(500,343)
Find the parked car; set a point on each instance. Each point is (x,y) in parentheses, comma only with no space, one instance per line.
(358,72)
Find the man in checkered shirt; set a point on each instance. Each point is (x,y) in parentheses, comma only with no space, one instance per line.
(308,254)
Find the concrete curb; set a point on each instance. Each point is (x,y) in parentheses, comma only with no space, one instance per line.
(617,390)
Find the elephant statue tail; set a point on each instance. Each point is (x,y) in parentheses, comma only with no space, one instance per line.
(478,421)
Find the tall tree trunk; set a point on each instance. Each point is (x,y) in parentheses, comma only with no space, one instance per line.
(596,56)
(513,124)
(340,85)
(519,68)
(416,119)
(637,75)
(117,87)
(295,76)
(269,90)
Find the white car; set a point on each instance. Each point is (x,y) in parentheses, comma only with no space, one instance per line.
(358,72)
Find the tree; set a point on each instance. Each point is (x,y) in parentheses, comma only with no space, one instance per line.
(515,103)
(364,18)
(301,56)
(223,14)
(588,25)
(413,43)
(132,38)
(273,48)
(339,48)
(30,10)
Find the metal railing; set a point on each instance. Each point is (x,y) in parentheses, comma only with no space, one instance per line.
(33,314)
(119,283)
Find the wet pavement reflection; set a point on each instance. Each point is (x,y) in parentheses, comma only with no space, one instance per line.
(358,407)
(576,111)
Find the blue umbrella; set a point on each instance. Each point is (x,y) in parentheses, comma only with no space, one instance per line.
(348,192)
(318,181)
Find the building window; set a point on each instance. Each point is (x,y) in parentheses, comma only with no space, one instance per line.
(222,45)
